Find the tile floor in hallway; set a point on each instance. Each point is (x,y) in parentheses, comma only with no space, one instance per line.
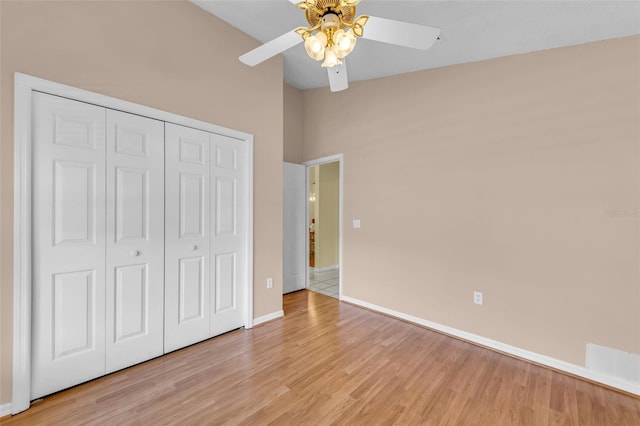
(325,282)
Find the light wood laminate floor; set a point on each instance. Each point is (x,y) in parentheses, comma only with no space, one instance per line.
(329,362)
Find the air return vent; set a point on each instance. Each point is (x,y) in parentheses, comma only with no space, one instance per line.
(623,365)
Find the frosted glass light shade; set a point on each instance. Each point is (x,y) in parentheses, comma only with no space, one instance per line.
(344,41)
(331,58)
(315,45)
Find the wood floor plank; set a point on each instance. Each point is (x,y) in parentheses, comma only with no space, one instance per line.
(331,363)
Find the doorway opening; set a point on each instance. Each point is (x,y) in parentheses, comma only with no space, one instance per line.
(324,223)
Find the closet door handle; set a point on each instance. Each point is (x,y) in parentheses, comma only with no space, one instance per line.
(193,247)
(134,253)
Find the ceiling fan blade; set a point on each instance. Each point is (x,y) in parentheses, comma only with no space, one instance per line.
(271,48)
(338,79)
(400,33)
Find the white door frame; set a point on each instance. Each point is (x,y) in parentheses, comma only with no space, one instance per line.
(324,160)
(24,85)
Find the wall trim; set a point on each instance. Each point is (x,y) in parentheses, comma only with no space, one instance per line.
(537,358)
(268,317)
(5,409)
(24,85)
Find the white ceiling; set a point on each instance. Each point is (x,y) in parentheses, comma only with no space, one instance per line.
(471,31)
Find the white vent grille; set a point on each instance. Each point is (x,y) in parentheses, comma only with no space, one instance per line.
(620,364)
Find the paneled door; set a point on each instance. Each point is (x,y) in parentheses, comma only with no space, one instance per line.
(98,241)
(206,241)
(135,239)
(294,227)
(68,321)
(187,287)
(228,235)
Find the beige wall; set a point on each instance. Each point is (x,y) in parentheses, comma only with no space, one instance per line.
(502,176)
(168,55)
(327,222)
(292,124)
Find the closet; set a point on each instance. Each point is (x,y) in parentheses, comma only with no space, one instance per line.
(139,237)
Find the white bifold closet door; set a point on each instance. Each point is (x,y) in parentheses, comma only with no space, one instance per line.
(135,239)
(69,188)
(229,246)
(187,268)
(98,233)
(206,241)
(110,289)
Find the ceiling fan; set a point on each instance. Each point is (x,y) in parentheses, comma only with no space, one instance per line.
(332,34)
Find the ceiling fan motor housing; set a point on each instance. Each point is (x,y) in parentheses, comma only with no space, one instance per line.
(330,20)
(329,7)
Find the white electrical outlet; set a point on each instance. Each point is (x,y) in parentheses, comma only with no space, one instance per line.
(477,297)
(269,282)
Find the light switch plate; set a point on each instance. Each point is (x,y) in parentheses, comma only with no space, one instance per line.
(356,223)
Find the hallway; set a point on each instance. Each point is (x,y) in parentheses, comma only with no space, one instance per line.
(325,282)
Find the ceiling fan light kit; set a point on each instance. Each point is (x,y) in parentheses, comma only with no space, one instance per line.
(335,37)
(333,32)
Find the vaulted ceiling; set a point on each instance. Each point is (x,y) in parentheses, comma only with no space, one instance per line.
(470,31)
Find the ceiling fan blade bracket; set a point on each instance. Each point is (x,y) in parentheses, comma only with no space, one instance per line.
(358,25)
(303,32)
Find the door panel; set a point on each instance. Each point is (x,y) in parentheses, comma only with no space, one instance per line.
(192,205)
(226,153)
(75,194)
(187,240)
(192,289)
(135,239)
(228,242)
(131,204)
(129,138)
(131,298)
(225,284)
(225,204)
(295,232)
(73,309)
(68,320)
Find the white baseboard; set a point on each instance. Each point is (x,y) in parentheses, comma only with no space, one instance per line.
(574,369)
(324,268)
(268,317)
(5,409)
